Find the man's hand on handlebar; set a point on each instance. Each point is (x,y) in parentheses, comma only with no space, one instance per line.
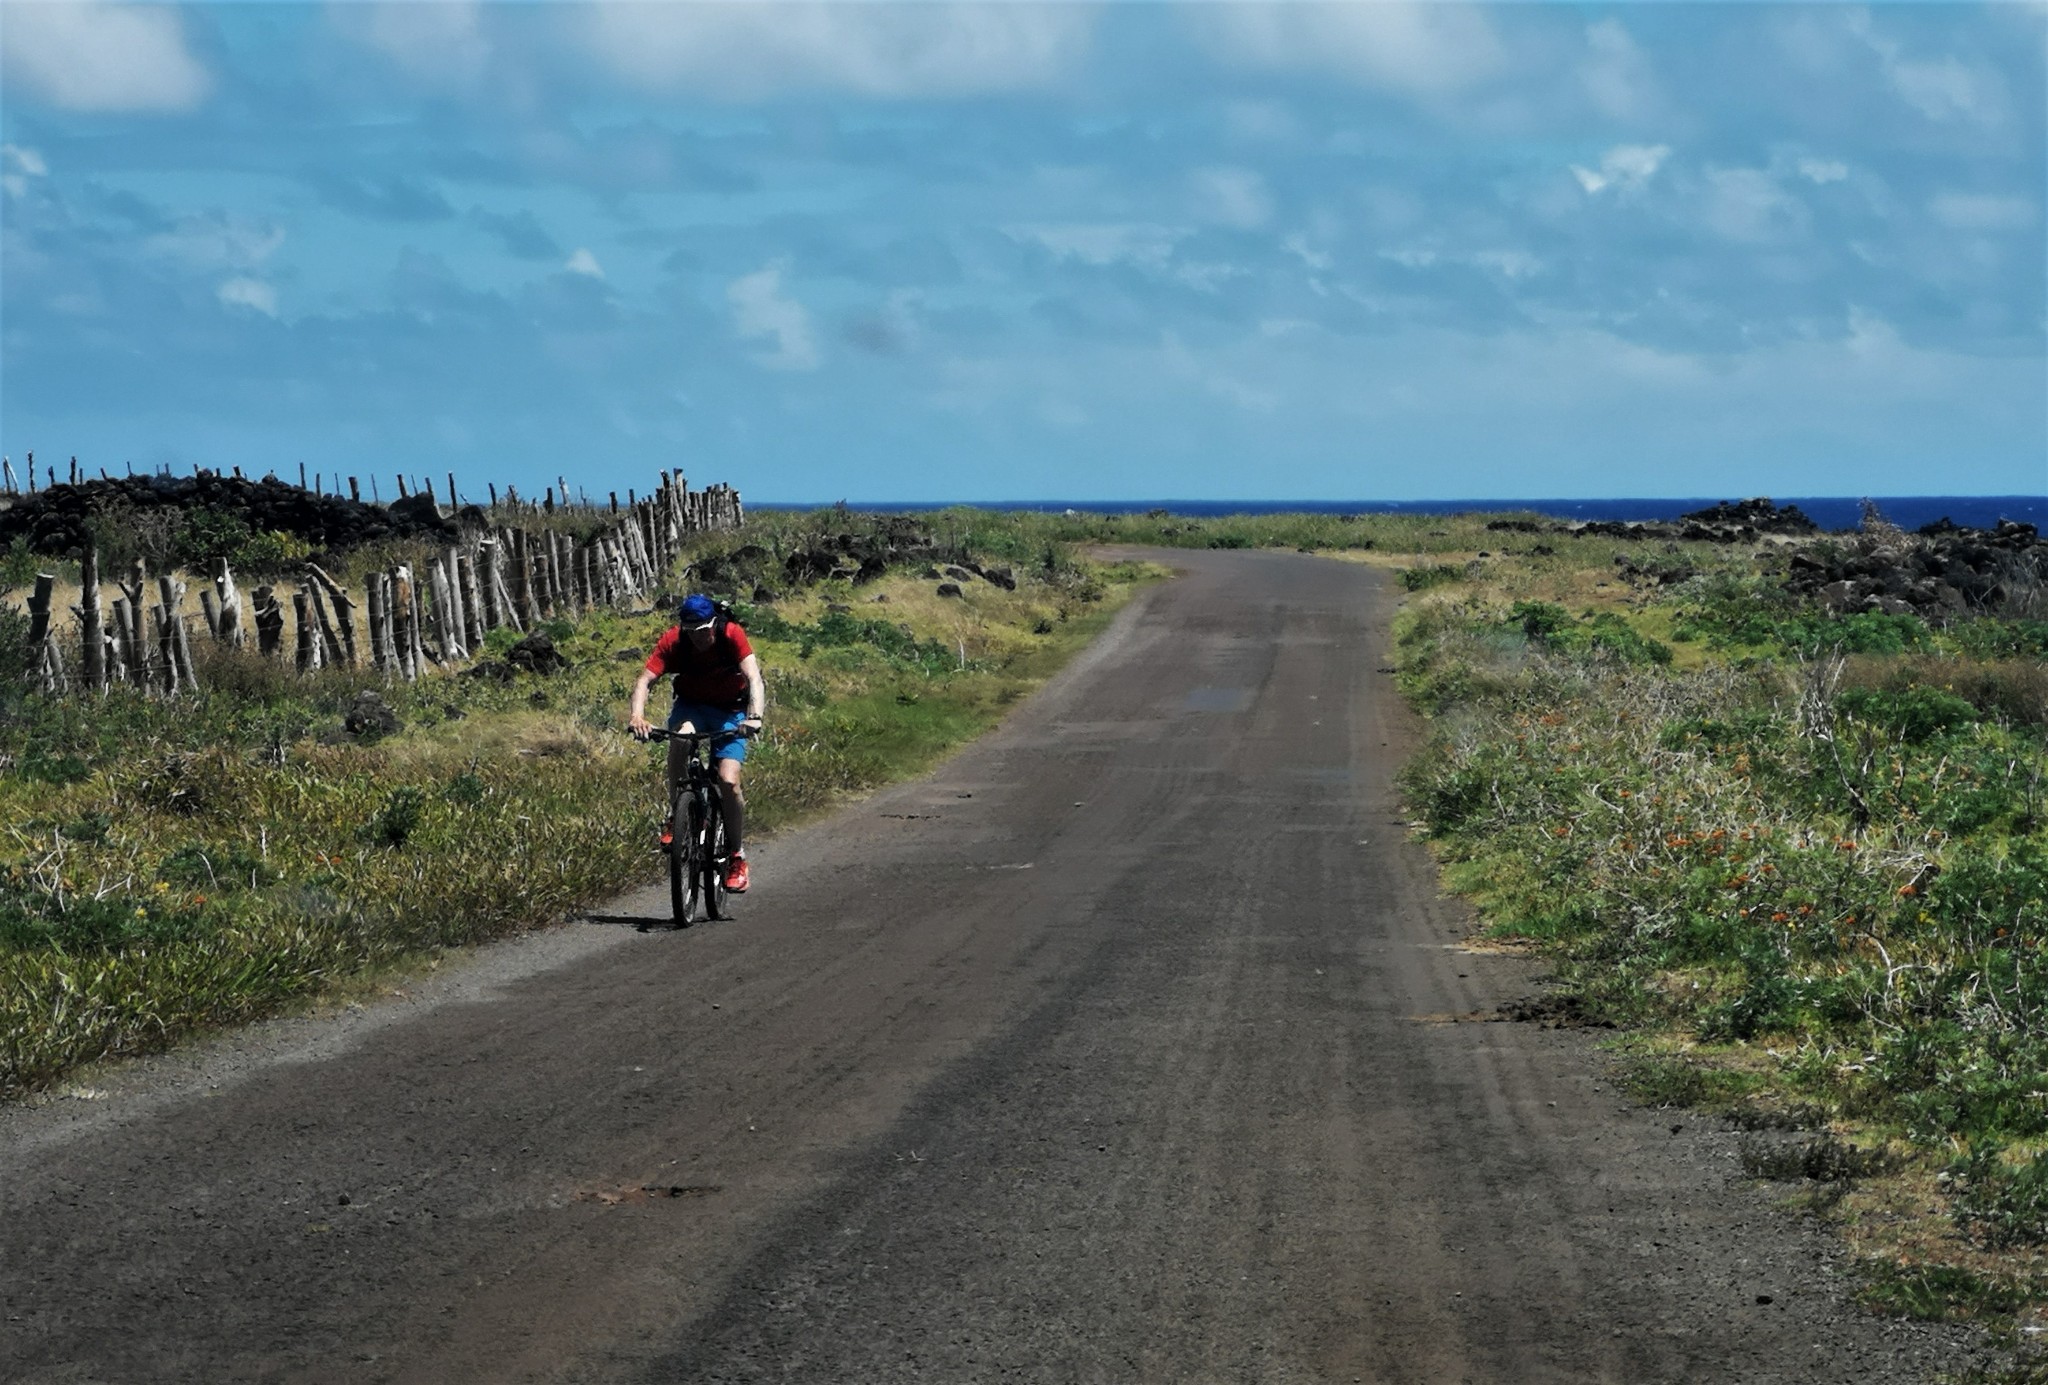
(640,726)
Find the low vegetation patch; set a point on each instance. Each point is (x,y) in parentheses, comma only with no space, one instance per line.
(1802,852)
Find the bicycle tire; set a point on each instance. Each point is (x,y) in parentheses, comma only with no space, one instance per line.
(714,874)
(682,859)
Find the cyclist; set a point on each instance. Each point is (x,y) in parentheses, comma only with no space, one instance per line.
(717,690)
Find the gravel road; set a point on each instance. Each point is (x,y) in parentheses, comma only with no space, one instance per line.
(1123,1047)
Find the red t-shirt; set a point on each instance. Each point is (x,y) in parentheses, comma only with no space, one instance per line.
(711,676)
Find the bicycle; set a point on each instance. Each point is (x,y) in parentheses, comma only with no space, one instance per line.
(696,828)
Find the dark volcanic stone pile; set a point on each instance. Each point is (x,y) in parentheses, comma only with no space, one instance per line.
(1741,521)
(1943,570)
(54,520)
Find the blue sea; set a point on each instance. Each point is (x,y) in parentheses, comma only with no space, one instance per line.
(1828,511)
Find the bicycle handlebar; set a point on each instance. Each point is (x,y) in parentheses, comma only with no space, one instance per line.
(662,733)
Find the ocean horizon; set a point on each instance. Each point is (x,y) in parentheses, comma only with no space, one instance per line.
(1830,512)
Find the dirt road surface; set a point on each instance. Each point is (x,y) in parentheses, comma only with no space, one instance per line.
(1114,1050)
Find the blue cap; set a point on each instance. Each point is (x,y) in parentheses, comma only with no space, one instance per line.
(696,610)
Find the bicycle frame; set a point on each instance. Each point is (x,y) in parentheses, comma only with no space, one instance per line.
(696,848)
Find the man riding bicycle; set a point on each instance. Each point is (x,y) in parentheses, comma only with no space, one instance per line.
(718,691)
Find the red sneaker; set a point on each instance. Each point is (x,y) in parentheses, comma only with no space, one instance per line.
(736,875)
(668,833)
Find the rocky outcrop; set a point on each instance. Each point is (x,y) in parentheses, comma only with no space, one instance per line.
(1944,570)
(1740,521)
(55,520)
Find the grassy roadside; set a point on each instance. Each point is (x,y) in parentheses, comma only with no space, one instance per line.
(173,866)
(1800,859)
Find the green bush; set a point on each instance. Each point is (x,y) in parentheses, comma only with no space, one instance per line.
(1421,579)
(1916,714)
(398,819)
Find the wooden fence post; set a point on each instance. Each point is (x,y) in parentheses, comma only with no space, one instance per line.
(49,662)
(522,581)
(93,660)
(330,645)
(447,611)
(269,620)
(401,622)
(472,597)
(308,649)
(177,648)
(415,620)
(344,612)
(139,643)
(229,630)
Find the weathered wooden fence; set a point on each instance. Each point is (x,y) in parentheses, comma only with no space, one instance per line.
(403,623)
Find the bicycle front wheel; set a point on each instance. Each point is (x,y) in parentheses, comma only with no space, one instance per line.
(682,859)
(714,865)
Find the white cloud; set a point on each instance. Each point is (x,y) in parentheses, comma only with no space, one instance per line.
(896,51)
(249,293)
(1963,211)
(1233,197)
(1941,88)
(1106,243)
(1625,168)
(19,166)
(1823,170)
(442,41)
(215,241)
(1418,49)
(89,56)
(17,159)
(1297,245)
(761,311)
(1509,264)
(583,262)
(1616,74)
(1746,204)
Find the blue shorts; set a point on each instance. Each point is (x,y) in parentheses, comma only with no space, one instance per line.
(705,717)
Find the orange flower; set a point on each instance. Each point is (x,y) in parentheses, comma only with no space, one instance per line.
(1907,890)
(1780,917)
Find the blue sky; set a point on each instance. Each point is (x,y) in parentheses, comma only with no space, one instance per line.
(993,251)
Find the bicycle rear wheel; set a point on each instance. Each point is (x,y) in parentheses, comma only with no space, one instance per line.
(682,859)
(714,865)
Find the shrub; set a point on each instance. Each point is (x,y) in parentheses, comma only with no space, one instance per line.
(1421,579)
(1916,714)
(398,819)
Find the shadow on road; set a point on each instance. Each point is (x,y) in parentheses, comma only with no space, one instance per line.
(643,922)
